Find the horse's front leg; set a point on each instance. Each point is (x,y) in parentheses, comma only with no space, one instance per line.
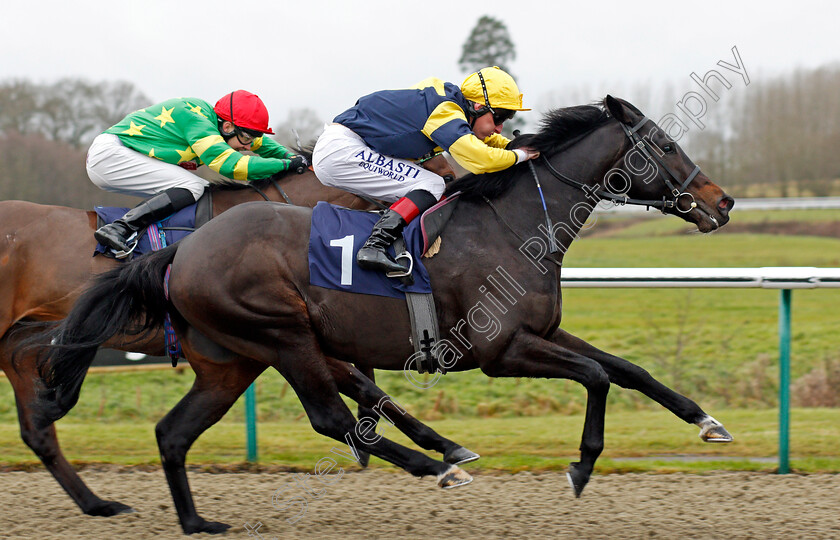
(530,356)
(629,375)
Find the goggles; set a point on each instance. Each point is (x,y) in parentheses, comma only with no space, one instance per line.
(246,136)
(501,116)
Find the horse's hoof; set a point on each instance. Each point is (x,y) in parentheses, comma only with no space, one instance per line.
(364,458)
(460,455)
(203,526)
(454,477)
(109,508)
(713,431)
(577,478)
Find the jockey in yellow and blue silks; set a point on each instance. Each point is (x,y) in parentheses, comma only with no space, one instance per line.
(149,152)
(374,147)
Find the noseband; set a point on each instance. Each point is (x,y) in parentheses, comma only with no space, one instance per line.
(651,157)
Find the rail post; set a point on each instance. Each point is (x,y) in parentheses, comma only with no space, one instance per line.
(784,381)
(251,423)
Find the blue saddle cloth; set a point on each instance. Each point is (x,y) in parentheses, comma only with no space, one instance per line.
(156,236)
(337,234)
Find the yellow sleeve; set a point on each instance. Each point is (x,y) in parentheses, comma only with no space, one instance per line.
(448,128)
(478,158)
(497,141)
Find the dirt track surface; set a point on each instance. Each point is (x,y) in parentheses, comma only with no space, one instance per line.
(384,504)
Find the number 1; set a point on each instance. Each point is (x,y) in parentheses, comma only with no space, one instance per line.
(346,245)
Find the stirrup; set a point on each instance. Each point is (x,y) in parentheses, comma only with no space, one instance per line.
(404,273)
(123,254)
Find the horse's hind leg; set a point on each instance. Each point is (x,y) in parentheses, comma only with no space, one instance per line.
(215,390)
(308,373)
(43,440)
(366,412)
(629,375)
(357,386)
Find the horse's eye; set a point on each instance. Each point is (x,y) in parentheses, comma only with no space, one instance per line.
(668,148)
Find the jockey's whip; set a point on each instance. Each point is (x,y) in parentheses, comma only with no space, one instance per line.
(299,170)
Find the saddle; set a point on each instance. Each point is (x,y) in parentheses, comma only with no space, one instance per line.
(163,233)
(434,220)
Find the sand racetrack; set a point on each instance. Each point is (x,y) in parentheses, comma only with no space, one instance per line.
(385,504)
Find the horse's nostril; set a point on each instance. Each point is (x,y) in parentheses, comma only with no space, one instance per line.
(726,203)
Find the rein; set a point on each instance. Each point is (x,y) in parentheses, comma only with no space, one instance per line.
(650,156)
(516,234)
(261,193)
(278,188)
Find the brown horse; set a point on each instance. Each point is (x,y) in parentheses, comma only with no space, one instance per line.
(42,274)
(241,300)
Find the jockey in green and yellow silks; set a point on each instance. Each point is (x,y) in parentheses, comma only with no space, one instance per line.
(149,152)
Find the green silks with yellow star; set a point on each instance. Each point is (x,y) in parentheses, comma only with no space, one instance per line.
(185,129)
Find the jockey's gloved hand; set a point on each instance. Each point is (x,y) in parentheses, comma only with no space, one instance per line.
(524,154)
(298,164)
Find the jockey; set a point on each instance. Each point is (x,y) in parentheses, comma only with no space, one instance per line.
(141,156)
(375,147)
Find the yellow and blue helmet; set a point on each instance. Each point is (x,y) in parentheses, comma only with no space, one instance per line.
(493,87)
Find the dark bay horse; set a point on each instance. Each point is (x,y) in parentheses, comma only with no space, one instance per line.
(42,273)
(240,295)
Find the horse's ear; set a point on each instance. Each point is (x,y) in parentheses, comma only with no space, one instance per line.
(618,110)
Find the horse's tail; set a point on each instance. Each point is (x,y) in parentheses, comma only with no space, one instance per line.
(128,300)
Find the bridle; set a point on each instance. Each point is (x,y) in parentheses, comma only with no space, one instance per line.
(651,156)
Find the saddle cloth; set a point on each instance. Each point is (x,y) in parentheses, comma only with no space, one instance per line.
(163,233)
(337,234)
(158,236)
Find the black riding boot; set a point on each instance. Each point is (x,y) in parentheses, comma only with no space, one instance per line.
(115,235)
(374,255)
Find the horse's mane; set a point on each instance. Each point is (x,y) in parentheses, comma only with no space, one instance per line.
(226,184)
(559,128)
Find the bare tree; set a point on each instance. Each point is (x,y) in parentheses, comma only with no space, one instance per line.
(40,170)
(70,110)
(44,129)
(18,106)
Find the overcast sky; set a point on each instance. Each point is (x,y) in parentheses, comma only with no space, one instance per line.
(325,54)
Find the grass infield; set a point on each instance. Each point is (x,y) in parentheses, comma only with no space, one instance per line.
(651,441)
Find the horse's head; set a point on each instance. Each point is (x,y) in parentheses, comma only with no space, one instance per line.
(656,169)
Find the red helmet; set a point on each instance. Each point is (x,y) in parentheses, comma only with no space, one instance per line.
(244,110)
